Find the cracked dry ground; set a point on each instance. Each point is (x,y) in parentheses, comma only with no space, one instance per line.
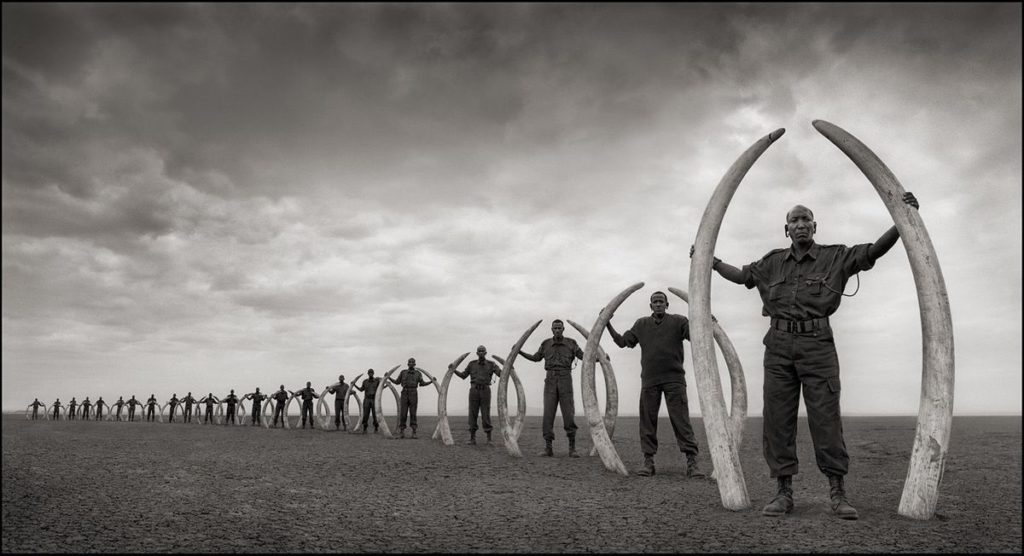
(155,487)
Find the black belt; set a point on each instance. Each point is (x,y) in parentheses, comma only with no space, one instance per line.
(480,386)
(800,326)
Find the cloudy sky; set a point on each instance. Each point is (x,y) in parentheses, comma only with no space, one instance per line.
(207,197)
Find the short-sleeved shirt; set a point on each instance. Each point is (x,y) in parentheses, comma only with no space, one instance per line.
(119,403)
(231,400)
(559,354)
(257,400)
(189,400)
(370,386)
(795,289)
(37,404)
(133,402)
(307,394)
(340,391)
(174,401)
(151,401)
(280,397)
(661,348)
(411,378)
(481,373)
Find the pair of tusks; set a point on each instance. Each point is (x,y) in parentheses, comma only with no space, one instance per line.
(935,415)
(378,400)
(611,387)
(28,412)
(270,406)
(512,428)
(358,425)
(219,415)
(443,429)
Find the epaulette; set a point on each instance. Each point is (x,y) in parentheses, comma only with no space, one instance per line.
(775,251)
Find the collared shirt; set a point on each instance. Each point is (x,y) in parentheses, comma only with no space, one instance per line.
(307,394)
(661,348)
(809,287)
(257,399)
(339,391)
(481,373)
(280,397)
(151,401)
(370,386)
(411,378)
(231,400)
(189,400)
(133,402)
(559,355)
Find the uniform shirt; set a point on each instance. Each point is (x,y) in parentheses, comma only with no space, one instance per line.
(307,394)
(257,399)
(411,378)
(559,354)
(339,392)
(119,403)
(480,373)
(86,404)
(280,396)
(209,403)
(151,401)
(661,348)
(795,289)
(189,400)
(72,404)
(370,386)
(231,400)
(133,402)
(37,404)
(173,402)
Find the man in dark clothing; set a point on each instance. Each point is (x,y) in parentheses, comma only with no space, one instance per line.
(100,404)
(131,408)
(369,389)
(340,391)
(257,405)
(481,371)
(173,403)
(188,401)
(559,354)
(410,379)
(210,400)
(86,405)
(231,399)
(306,395)
(56,409)
(281,397)
(72,407)
(151,407)
(119,404)
(801,287)
(35,408)
(660,337)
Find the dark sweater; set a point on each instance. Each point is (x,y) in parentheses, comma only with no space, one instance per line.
(661,348)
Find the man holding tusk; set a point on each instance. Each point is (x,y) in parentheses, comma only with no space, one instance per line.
(131,408)
(189,401)
(119,404)
(306,395)
(35,408)
(800,287)
(559,354)
(340,391)
(72,406)
(100,404)
(369,388)
(410,379)
(150,407)
(480,372)
(56,409)
(257,405)
(173,403)
(210,400)
(86,405)
(232,400)
(660,337)
(280,398)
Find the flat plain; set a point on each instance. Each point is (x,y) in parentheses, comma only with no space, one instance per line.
(160,487)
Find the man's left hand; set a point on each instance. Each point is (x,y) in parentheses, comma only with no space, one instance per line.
(909,199)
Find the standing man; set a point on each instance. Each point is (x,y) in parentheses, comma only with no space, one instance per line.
(35,408)
(559,354)
(801,286)
(410,379)
(660,337)
(210,400)
(480,372)
(369,389)
(119,404)
(56,409)
(281,397)
(231,399)
(150,407)
(257,405)
(306,395)
(86,404)
(340,391)
(131,408)
(173,402)
(72,406)
(100,404)
(188,401)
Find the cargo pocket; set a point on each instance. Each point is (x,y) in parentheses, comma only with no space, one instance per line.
(833,384)
(814,283)
(777,289)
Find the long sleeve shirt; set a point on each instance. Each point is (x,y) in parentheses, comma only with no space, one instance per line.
(480,373)
(661,348)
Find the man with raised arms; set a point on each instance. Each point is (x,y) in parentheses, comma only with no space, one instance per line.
(210,400)
(369,389)
(35,408)
(257,405)
(481,371)
(86,405)
(173,403)
(232,400)
(801,286)
(280,398)
(188,401)
(72,407)
(151,407)
(340,391)
(131,408)
(119,404)
(56,409)
(410,379)
(100,404)
(559,354)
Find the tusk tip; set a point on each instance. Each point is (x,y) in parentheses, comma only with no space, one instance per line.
(774,136)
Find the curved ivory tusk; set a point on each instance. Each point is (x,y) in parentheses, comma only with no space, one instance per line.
(737,381)
(611,388)
(28,412)
(724,455)
(437,387)
(377,401)
(507,431)
(321,408)
(444,430)
(598,433)
(240,413)
(352,394)
(935,414)
(269,404)
(160,412)
(517,422)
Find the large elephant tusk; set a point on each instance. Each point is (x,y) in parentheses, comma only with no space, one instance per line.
(240,414)
(737,381)
(443,429)
(611,388)
(28,412)
(321,406)
(267,421)
(352,394)
(724,455)
(935,414)
(511,441)
(437,387)
(517,422)
(160,412)
(378,402)
(598,433)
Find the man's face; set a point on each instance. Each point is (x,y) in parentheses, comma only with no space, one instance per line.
(481,352)
(557,329)
(800,225)
(412,362)
(659,303)
(257,390)
(308,384)
(369,373)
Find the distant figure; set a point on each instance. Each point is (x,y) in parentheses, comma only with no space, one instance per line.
(131,408)
(231,399)
(150,407)
(188,401)
(118,404)
(35,408)
(72,408)
(173,403)
(56,409)
(306,395)
(280,397)
(410,379)
(257,405)
(100,404)
(369,387)
(559,354)
(340,391)
(481,373)
(210,400)
(86,405)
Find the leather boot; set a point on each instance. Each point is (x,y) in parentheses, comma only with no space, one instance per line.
(782,504)
(572,447)
(488,437)
(692,470)
(548,450)
(472,438)
(837,493)
(401,433)
(647,469)
(414,432)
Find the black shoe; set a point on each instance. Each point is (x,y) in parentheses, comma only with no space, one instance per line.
(837,495)
(647,469)
(548,451)
(782,504)
(692,470)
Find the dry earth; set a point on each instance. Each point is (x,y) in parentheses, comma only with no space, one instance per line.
(157,487)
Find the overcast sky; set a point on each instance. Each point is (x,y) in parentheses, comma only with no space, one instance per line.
(207,197)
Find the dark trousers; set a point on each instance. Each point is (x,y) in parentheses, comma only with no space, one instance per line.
(558,392)
(230,415)
(407,408)
(808,360)
(678,414)
(56,413)
(35,413)
(171,413)
(480,402)
(339,414)
(99,414)
(279,415)
(118,416)
(307,410)
(149,412)
(208,418)
(131,413)
(71,413)
(188,414)
(256,413)
(369,408)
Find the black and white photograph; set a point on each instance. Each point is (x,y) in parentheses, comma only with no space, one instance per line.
(512,277)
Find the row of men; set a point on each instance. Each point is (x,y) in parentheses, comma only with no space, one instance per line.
(800,287)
